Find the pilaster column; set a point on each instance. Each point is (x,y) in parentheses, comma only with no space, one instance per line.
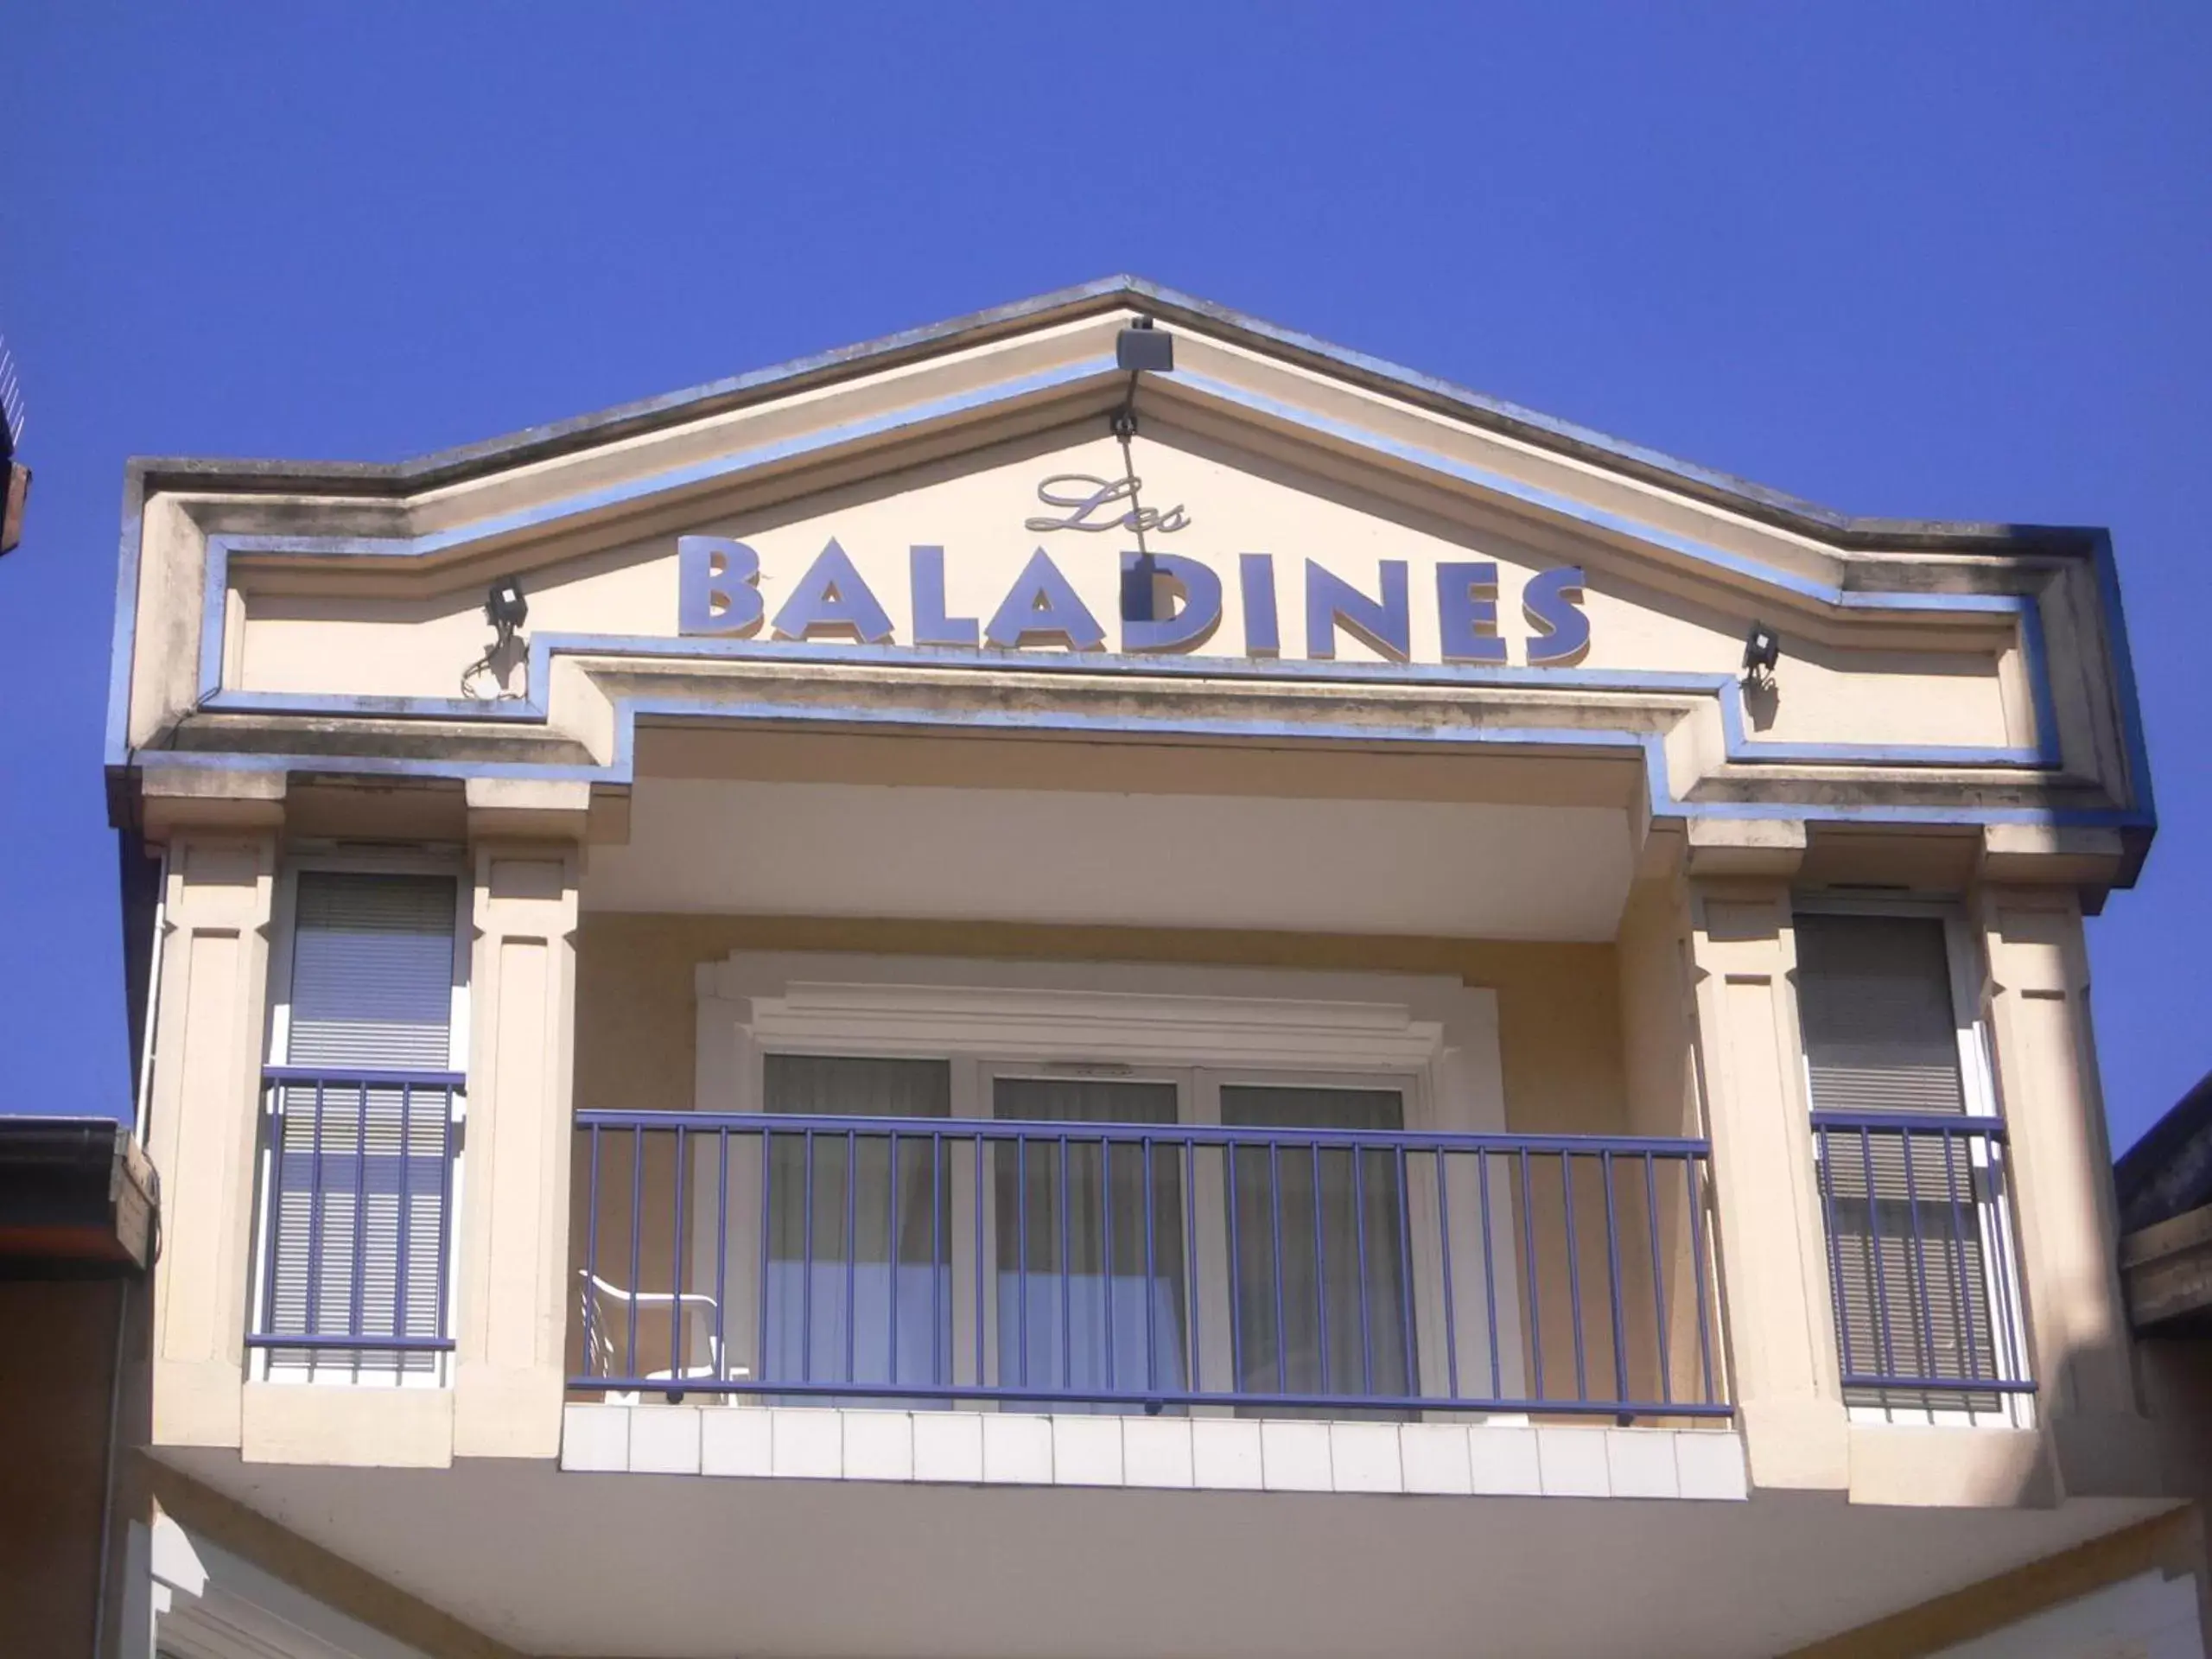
(210,1020)
(2061,1163)
(1768,1228)
(513,1296)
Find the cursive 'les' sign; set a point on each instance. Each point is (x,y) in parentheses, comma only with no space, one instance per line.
(1084,502)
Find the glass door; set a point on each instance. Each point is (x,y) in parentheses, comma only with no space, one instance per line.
(858,1281)
(1089,1259)
(1321,1292)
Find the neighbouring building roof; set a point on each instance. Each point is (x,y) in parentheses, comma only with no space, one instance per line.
(2164,1186)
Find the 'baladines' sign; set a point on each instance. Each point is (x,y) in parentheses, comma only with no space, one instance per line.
(718,594)
(1169,601)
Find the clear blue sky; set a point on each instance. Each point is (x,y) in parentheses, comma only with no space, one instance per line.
(1900,260)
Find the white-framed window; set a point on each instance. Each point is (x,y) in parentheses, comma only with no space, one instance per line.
(1066,1265)
(1914,1194)
(363,1110)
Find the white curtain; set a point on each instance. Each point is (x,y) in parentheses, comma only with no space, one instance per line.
(1079,1307)
(846,1301)
(1318,1247)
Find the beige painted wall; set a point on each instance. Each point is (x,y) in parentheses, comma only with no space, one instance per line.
(1888,685)
(1558,1011)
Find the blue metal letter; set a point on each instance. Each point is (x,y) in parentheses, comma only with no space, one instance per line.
(1255,575)
(831,596)
(1553,602)
(1199,589)
(1331,602)
(715,585)
(1041,603)
(1466,612)
(932,626)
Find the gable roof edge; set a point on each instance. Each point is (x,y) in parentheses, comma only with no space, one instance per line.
(447,466)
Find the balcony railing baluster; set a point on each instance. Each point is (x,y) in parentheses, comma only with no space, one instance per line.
(1882,1316)
(1329,1348)
(328,1236)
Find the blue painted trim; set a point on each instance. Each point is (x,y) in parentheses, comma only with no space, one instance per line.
(2025,608)
(1551,502)
(544,647)
(215,584)
(2123,663)
(2034,666)
(221,547)
(123,636)
(621,770)
(504,709)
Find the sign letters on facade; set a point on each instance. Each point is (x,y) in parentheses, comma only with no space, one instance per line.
(720,594)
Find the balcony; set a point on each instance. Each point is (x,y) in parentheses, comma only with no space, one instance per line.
(1154,1268)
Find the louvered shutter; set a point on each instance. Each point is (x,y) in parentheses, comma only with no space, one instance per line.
(359,1229)
(1906,1208)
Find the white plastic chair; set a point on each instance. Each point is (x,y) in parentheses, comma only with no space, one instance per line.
(607,1308)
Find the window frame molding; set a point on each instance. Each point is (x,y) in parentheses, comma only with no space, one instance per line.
(1432,1039)
(1969,982)
(311,857)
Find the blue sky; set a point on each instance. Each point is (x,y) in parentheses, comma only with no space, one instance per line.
(1902,260)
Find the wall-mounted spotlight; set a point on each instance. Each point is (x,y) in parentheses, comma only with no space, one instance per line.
(504,607)
(1762,650)
(1141,346)
(506,610)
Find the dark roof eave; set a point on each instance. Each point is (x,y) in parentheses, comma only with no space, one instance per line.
(77,1197)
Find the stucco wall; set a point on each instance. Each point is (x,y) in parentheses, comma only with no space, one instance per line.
(1558,1004)
(1913,687)
(1558,1014)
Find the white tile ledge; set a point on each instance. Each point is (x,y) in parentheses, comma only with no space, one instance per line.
(1202,1453)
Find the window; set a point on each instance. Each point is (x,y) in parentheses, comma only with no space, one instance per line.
(1910,1164)
(362,1130)
(1079,1306)
(1083,1227)
(1330,1224)
(847,1300)
(1089,1272)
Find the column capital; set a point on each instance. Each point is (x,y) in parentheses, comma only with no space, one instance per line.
(174,798)
(1754,847)
(527,809)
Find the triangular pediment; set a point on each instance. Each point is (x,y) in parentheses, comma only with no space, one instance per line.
(1307,514)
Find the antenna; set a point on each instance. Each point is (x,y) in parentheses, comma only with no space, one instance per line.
(14,477)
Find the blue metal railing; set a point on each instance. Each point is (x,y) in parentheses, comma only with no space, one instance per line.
(1143,1267)
(356,1215)
(1920,1258)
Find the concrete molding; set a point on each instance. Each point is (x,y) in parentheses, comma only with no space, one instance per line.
(1771,848)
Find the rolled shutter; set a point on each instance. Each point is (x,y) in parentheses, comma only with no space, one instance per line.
(358,1209)
(1906,1208)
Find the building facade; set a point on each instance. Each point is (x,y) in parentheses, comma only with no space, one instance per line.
(1103,981)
